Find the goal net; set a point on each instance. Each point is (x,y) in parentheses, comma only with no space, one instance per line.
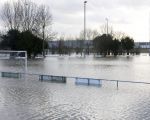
(16,56)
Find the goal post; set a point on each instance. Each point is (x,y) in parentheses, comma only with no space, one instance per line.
(15,55)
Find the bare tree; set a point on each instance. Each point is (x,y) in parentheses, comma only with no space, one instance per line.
(25,15)
(103,29)
(119,35)
(7,15)
(90,34)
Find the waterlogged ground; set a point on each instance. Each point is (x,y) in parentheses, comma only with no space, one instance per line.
(30,99)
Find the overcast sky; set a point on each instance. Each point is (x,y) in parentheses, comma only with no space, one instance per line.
(128,16)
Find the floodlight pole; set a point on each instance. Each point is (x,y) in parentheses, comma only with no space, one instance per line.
(85,21)
(149,36)
(106,26)
(43,39)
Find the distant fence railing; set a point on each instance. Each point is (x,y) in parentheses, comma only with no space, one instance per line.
(52,78)
(88,81)
(10,75)
(63,79)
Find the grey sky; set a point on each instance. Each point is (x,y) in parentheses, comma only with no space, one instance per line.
(129,16)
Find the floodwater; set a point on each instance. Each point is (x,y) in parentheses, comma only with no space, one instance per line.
(30,99)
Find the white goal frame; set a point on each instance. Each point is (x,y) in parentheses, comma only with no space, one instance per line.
(6,54)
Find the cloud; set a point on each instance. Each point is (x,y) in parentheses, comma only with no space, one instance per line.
(134,3)
(124,15)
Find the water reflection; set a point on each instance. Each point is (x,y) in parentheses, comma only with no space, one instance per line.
(31,99)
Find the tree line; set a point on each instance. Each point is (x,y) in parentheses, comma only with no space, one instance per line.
(114,43)
(26,24)
(106,44)
(25,40)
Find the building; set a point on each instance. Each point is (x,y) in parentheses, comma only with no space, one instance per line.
(72,43)
(143,45)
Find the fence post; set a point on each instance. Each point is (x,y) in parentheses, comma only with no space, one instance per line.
(117,84)
(88,81)
(100,82)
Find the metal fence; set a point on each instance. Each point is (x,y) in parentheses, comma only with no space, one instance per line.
(63,79)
